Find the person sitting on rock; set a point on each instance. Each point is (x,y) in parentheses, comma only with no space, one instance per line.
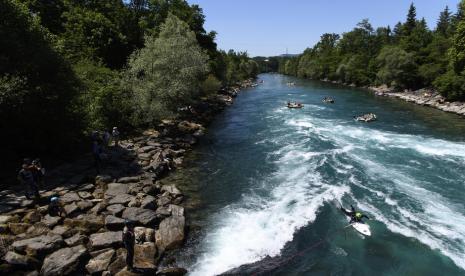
(129,239)
(54,208)
(26,178)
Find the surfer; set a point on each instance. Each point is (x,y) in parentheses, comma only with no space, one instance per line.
(354,215)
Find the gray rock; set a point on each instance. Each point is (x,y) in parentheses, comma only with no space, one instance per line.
(85,195)
(163,200)
(85,205)
(116,209)
(149,202)
(32,217)
(76,240)
(69,197)
(106,240)
(121,199)
(176,210)
(135,188)
(172,271)
(101,262)
(128,179)
(172,189)
(144,255)
(38,245)
(71,209)
(64,261)
(86,188)
(6,219)
(16,259)
(135,202)
(163,212)
(51,221)
(145,217)
(86,223)
(37,229)
(18,228)
(115,189)
(113,223)
(98,208)
(119,263)
(170,234)
(64,231)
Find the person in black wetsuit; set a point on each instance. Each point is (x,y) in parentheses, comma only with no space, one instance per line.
(354,215)
(129,240)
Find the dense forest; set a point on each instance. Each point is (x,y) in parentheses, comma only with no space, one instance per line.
(68,67)
(409,56)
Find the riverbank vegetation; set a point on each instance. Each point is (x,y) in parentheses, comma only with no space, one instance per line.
(408,56)
(68,67)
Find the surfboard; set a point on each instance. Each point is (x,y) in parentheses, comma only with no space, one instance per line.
(362,228)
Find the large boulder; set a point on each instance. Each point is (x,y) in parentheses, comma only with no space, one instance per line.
(101,262)
(69,197)
(39,245)
(170,234)
(145,217)
(71,209)
(113,223)
(16,259)
(114,189)
(32,217)
(121,199)
(119,263)
(18,228)
(85,205)
(144,255)
(115,209)
(106,240)
(86,223)
(149,202)
(51,221)
(76,240)
(64,261)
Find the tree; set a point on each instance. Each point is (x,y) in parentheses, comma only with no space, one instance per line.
(443,26)
(166,73)
(411,22)
(38,89)
(397,68)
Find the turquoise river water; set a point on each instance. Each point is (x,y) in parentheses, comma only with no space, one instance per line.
(266,179)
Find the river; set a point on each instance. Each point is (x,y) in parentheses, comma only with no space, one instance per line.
(265,181)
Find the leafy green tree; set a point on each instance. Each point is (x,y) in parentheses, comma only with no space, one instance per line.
(397,68)
(38,89)
(91,34)
(166,73)
(102,97)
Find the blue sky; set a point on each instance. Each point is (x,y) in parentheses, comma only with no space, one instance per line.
(268,27)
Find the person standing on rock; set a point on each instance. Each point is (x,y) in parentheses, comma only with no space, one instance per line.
(129,240)
(96,153)
(26,178)
(115,136)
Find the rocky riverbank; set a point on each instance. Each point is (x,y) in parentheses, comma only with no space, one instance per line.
(423,97)
(87,240)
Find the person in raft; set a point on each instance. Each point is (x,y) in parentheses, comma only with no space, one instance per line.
(354,215)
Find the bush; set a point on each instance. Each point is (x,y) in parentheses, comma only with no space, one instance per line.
(211,85)
(451,86)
